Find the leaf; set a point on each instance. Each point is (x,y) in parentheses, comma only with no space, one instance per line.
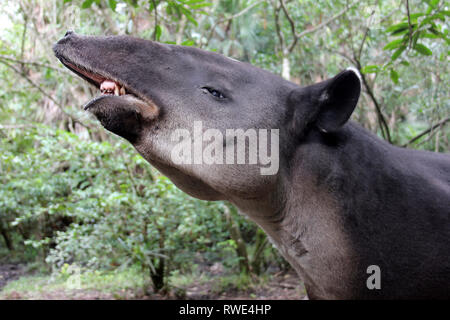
(415,38)
(394,76)
(422,49)
(87,4)
(200,5)
(394,44)
(134,3)
(430,19)
(168,9)
(416,15)
(434,31)
(188,43)
(370,69)
(48,74)
(433,3)
(158,32)
(400,31)
(398,52)
(188,15)
(430,35)
(399,26)
(189,2)
(426,21)
(440,16)
(112,4)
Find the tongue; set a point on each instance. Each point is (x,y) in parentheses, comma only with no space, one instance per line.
(107,85)
(110,87)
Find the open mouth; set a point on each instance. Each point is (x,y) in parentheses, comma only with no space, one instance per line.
(106,85)
(114,93)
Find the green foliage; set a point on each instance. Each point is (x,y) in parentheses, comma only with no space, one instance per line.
(99,204)
(108,282)
(237,282)
(414,30)
(102,206)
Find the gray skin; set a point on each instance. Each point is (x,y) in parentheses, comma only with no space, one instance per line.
(342,199)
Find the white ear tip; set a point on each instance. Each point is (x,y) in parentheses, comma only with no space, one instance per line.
(356,72)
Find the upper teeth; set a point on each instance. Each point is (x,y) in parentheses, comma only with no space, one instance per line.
(110,87)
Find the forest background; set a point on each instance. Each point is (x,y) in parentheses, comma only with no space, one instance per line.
(82,215)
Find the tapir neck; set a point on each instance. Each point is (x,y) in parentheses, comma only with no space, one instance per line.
(303,223)
(304,217)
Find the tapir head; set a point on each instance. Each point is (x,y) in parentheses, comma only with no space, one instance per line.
(153,90)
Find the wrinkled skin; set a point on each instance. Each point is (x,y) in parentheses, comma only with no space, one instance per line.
(342,199)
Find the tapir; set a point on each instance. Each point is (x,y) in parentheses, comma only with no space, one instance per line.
(356,217)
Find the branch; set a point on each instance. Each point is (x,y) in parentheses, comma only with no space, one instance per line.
(34,64)
(108,21)
(241,12)
(278,28)
(22,45)
(381,120)
(292,24)
(297,36)
(326,22)
(343,55)
(440,123)
(232,17)
(43,92)
(366,33)
(182,27)
(384,127)
(362,42)
(156,18)
(409,23)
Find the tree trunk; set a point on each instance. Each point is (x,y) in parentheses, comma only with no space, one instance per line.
(235,234)
(7,238)
(286,67)
(158,277)
(260,244)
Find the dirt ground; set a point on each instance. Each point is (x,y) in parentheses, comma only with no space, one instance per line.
(10,272)
(281,286)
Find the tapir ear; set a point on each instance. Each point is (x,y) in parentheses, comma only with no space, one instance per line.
(326,105)
(337,99)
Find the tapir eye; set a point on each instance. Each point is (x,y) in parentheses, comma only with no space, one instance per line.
(214,92)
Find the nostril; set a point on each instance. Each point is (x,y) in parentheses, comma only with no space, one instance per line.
(68,33)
